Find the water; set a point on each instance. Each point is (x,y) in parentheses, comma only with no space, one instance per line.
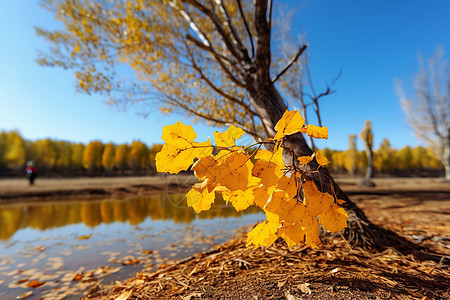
(69,246)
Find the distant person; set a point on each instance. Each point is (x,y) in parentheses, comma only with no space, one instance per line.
(31,171)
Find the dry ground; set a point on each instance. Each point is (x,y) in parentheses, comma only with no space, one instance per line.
(418,209)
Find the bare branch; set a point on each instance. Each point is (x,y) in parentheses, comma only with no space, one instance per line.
(217,89)
(237,39)
(291,62)
(250,37)
(206,117)
(219,26)
(219,58)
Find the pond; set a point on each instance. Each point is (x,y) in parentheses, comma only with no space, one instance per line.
(60,250)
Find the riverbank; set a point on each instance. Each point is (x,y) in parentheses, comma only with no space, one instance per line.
(18,189)
(52,189)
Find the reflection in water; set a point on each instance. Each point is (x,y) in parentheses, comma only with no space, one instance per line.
(92,213)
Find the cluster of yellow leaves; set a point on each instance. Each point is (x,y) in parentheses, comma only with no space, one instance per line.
(294,206)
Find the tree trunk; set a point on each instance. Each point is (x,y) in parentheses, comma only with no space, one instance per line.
(446,160)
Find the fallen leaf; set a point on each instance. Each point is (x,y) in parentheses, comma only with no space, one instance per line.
(304,287)
(85,237)
(289,296)
(25,295)
(22,280)
(78,277)
(334,270)
(35,283)
(125,295)
(131,262)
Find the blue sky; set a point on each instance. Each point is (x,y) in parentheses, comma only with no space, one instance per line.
(373,42)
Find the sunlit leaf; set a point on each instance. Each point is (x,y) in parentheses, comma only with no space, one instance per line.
(229,137)
(263,235)
(316,131)
(321,159)
(291,122)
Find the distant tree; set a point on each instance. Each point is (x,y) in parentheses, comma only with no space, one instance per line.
(351,155)
(15,154)
(64,159)
(139,155)
(121,157)
(92,156)
(405,158)
(385,157)
(108,157)
(428,111)
(77,155)
(3,147)
(367,137)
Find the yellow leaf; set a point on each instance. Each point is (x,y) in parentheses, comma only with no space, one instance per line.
(267,171)
(304,160)
(235,171)
(180,149)
(279,203)
(199,198)
(239,199)
(179,135)
(316,201)
(272,218)
(229,137)
(76,49)
(293,214)
(173,160)
(321,159)
(274,157)
(262,195)
(289,185)
(291,122)
(206,167)
(311,228)
(316,131)
(334,219)
(292,234)
(263,235)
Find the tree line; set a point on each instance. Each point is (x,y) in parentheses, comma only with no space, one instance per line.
(63,158)
(387,160)
(57,157)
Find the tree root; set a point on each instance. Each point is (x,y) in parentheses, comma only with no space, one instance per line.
(361,232)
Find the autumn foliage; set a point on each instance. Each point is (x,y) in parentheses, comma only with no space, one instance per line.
(247,176)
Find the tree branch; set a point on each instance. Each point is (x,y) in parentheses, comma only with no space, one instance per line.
(218,58)
(250,37)
(237,39)
(217,89)
(263,54)
(291,62)
(220,29)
